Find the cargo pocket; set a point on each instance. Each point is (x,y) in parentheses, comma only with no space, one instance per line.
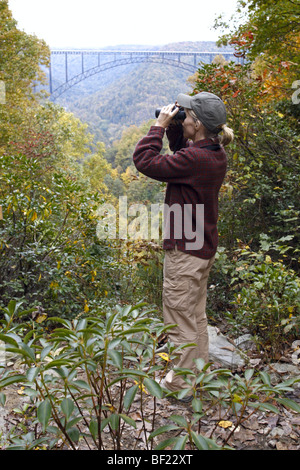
(176,294)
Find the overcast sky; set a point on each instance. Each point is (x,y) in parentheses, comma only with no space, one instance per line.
(101,23)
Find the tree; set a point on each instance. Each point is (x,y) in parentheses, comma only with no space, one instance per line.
(96,170)
(267,33)
(48,244)
(21,58)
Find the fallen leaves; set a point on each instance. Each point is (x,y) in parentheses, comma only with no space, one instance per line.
(225,424)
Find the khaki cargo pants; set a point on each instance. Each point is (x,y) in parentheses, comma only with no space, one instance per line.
(184,303)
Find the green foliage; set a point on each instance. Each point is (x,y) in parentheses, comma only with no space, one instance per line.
(257,293)
(83,367)
(227,392)
(71,140)
(84,375)
(265,28)
(47,236)
(120,153)
(20,68)
(71,373)
(98,172)
(268,295)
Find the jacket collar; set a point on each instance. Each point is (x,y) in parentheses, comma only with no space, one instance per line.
(204,142)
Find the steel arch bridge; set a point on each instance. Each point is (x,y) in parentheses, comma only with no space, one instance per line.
(105,59)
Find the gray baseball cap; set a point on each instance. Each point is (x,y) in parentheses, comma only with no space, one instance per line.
(209,109)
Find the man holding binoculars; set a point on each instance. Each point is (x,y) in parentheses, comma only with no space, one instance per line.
(194,174)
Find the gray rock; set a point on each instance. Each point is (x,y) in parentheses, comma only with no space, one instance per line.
(282,371)
(224,352)
(243,342)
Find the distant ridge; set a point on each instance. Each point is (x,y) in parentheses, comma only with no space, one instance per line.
(178,46)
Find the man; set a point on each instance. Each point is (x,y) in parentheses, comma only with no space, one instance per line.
(194,173)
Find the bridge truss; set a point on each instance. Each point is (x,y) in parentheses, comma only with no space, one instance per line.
(105,59)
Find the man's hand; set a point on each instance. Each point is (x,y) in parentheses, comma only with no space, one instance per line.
(166,115)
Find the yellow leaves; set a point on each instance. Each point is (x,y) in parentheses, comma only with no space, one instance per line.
(41,317)
(86,307)
(47,212)
(237,399)
(110,407)
(164,356)
(141,387)
(128,176)
(34,216)
(225,424)
(228,189)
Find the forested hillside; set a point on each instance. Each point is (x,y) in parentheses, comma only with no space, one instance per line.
(80,314)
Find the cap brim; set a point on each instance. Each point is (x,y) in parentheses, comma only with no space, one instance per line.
(184,101)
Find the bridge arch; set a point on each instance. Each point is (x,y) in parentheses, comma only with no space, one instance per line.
(174,62)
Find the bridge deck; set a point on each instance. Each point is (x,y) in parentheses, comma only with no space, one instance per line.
(126,52)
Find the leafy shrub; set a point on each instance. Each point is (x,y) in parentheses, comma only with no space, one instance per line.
(70,373)
(268,295)
(230,394)
(83,376)
(50,255)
